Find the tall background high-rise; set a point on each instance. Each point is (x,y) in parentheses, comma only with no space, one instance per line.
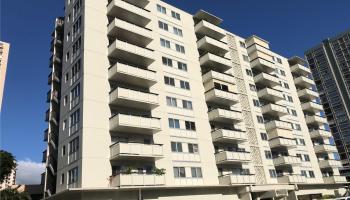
(147,100)
(4,54)
(330,66)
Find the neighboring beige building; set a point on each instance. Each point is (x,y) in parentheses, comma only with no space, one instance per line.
(162,104)
(4,54)
(10,181)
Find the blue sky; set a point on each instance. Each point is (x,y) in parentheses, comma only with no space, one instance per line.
(290,26)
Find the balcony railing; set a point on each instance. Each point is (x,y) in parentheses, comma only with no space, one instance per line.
(136,151)
(233,179)
(311,107)
(269,94)
(214,46)
(334,179)
(291,179)
(282,142)
(320,134)
(230,157)
(329,163)
(210,75)
(132,75)
(268,80)
(274,110)
(286,160)
(132,180)
(307,94)
(134,124)
(225,135)
(224,116)
(303,82)
(315,120)
(133,98)
(320,148)
(221,97)
(215,62)
(209,29)
(262,65)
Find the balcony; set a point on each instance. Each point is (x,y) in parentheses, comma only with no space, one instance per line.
(134,124)
(215,62)
(131,53)
(44,158)
(225,135)
(138,3)
(132,75)
(311,107)
(46,135)
(279,129)
(275,124)
(233,179)
(209,44)
(307,94)
(324,148)
(267,80)
(262,65)
(133,98)
(218,76)
(303,82)
(286,160)
(132,180)
(329,164)
(138,151)
(300,70)
(211,30)
(52,116)
(52,96)
(315,120)
(291,179)
(230,157)
(269,94)
(55,42)
(130,32)
(128,12)
(221,97)
(224,116)
(53,77)
(334,179)
(282,143)
(54,59)
(320,134)
(274,110)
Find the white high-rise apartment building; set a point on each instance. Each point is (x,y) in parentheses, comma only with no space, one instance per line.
(4,54)
(150,102)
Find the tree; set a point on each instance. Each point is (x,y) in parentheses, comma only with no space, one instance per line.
(7,164)
(13,194)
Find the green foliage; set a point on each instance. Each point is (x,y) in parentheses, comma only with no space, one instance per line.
(13,194)
(159,172)
(7,164)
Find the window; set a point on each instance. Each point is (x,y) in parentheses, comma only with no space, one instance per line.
(185,85)
(174,123)
(77,8)
(73,175)
(65,100)
(66,77)
(74,121)
(190,125)
(306,157)
(286,85)
(73,145)
(76,48)
(62,179)
(273,173)
(279,60)
(303,173)
(161,9)
(76,27)
(196,172)
(170,101)
(64,124)
(64,150)
(163,25)
(167,61)
(67,56)
(296,127)
(76,71)
(249,72)
(294,112)
(165,43)
(177,31)
(242,44)
(220,86)
(252,87)
(256,103)
(260,119)
(75,94)
(175,15)
(312,174)
(192,148)
(245,58)
(187,104)
(299,156)
(176,146)
(263,136)
(180,48)
(179,172)
(302,142)
(169,81)
(182,66)
(283,73)
(268,155)
(290,99)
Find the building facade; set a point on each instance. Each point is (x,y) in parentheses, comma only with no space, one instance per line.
(4,54)
(330,66)
(9,181)
(148,101)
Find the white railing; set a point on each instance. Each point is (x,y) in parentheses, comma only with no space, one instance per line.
(136,149)
(125,180)
(221,134)
(133,71)
(232,179)
(123,93)
(289,160)
(134,121)
(229,156)
(125,46)
(217,75)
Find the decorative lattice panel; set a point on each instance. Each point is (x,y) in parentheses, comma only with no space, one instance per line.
(260,175)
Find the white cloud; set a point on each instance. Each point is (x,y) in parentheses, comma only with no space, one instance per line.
(29,172)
